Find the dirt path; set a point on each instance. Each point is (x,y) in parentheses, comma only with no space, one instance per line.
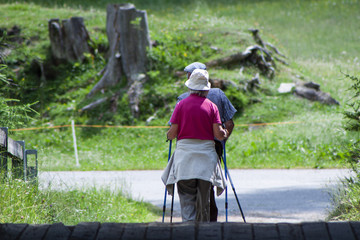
(265,195)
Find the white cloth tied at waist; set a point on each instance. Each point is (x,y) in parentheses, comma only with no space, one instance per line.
(194,159)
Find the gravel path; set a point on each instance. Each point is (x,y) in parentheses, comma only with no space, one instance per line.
(265,195)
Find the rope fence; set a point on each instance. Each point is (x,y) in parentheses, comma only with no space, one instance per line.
(149,127)
(72,125)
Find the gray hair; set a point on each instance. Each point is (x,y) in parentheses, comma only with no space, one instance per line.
(200,93)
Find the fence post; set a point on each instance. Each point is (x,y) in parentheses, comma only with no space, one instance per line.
(17,168)
(31,171)
(75,146)
(3,152)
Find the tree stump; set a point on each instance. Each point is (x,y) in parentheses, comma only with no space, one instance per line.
(128,35)
(69,39)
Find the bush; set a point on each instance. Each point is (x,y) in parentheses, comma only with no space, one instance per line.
(353,124)
(353,115)
(175,50)
(237,98)
(347,204)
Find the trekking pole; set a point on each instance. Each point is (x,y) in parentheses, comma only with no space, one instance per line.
(232,185)
(164,206)
(226,192)
(172,204)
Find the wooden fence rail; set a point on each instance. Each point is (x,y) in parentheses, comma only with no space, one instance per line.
(181,231)
(15,150)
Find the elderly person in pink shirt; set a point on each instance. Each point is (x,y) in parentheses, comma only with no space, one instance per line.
(195,165)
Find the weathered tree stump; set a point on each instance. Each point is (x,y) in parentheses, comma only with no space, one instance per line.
(128,35)
(69,39)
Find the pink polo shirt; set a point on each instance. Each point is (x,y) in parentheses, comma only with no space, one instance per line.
(195,116)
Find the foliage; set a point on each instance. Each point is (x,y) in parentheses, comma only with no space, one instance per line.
(237,98)
(12,113)
(353,115)
(174,50)
(24,203)
(347,201)
(353,123)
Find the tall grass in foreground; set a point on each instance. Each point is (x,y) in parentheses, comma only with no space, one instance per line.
(25,203)
(347,201)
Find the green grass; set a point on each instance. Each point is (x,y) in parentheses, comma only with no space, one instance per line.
(319,38)
(314,140)
(25,203)
(346,201)
(103,149)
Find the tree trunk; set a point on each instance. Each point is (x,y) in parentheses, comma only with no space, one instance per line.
(113,70)
(127,31)
(134,44)
(69,40)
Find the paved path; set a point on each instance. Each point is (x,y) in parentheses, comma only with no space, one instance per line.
(269,196)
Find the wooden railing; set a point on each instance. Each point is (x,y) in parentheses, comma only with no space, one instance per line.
(180,231)
(15,151)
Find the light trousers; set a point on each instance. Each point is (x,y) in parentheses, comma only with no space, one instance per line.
(194,195)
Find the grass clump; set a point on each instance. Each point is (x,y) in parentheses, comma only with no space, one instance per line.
(22,202)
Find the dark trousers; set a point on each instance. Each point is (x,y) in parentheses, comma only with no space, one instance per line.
(194,197)
(213,207)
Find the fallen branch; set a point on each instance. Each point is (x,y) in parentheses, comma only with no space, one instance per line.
(264,60)
(234,58)
(94,104)
(259,41)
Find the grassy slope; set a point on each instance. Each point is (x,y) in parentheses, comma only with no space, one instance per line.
(319,38)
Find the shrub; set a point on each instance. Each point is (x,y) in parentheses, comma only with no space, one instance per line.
(348,200)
